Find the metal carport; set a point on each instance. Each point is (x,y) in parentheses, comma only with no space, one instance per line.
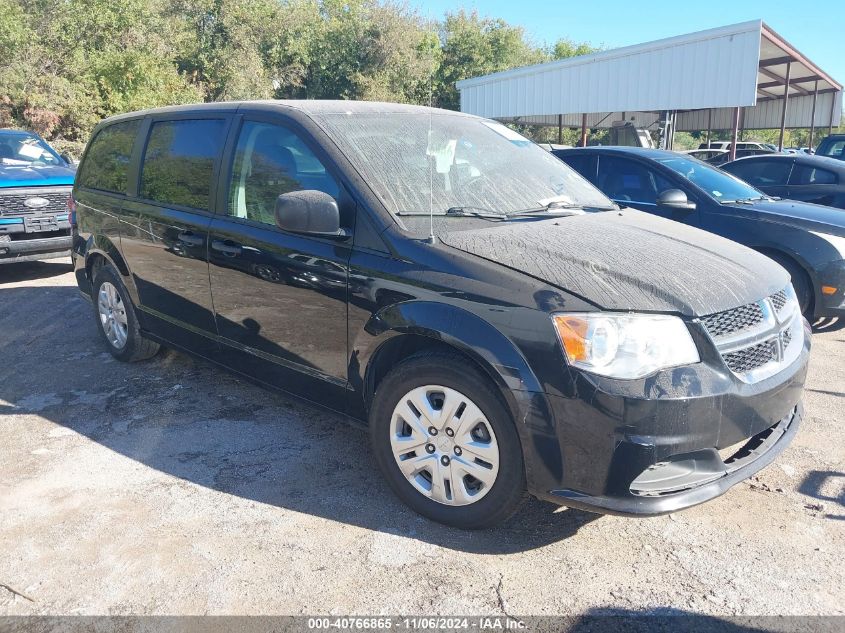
(742,76)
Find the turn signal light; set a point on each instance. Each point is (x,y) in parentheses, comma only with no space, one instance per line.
(828,290)
(573,335)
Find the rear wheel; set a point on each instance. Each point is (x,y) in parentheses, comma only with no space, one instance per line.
(446,442)
(116,319)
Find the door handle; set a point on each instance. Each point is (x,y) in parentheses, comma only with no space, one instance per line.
(230,249)
(190,239)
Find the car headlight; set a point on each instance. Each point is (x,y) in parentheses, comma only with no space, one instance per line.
(624,345)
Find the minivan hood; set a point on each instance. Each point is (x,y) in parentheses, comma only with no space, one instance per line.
(629,260)
(802,215)
(25,176)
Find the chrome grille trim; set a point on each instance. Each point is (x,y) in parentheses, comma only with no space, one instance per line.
(757,342)
(12,200)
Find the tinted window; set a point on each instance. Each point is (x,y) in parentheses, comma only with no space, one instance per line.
(179,162)
(271,160)
(629,181)
(762,173)
(106,163)
(719,184)
(583,164)
(809,175)
(832,147)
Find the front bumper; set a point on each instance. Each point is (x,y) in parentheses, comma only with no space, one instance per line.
(653,446)
(833,304)
(38,248)
(706,476)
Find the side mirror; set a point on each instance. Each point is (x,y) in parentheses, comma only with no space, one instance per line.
(67,158)
(675,199)
(309,211)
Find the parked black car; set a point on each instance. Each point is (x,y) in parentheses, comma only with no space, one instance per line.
(806,239)
(498,323)
(802,177)
(833,146)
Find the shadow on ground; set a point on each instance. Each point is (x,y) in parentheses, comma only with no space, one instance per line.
(194,421)
(11,273)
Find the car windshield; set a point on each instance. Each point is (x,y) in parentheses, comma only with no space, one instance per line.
(715,182)
(24,149)
(442,163)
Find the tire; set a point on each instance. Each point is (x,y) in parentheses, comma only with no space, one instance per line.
(121,334)
(800,282)
(484,442)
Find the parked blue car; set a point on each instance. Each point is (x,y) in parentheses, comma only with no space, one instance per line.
(35,183)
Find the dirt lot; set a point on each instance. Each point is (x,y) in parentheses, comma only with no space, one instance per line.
(172,487)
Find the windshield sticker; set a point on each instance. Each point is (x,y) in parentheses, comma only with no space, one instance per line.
(718,194)
(30,151)
(566,199)
(443,151)
(514,137)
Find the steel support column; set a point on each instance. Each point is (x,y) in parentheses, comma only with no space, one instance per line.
(785,105)
(813,116)
(734,129)
(560,129)
(583,130)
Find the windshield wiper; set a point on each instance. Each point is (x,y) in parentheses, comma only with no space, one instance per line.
(458,212)
(751,200)
(558,210)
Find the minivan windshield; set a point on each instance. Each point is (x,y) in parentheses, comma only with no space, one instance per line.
(716,183)
(420,162)
(25,149)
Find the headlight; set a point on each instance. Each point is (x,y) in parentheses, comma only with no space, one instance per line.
(624,345)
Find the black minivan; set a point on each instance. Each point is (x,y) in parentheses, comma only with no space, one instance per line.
(497,322)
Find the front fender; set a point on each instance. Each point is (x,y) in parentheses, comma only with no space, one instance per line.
(491,350)
(455,327)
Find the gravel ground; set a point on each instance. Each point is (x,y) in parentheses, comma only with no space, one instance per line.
(173,487)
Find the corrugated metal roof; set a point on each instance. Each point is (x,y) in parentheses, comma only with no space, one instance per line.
(712,68)
(741,65)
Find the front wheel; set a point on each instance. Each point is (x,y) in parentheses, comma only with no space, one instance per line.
(446,442)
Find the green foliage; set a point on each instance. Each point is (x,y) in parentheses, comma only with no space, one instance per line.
(66,64)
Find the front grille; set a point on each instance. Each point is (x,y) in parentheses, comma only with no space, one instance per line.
(751,358)
(13,203)
(735,320)
(755,340)
(778,300)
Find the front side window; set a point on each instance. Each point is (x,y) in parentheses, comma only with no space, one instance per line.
(271,160)
(421,162)
(630,181)
(106,163)
(179,162)
(26,150)
(809,175)
(717,184)
(762,173)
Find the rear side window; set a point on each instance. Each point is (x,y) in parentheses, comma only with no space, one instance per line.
(106,164)
(809,175)
(762,173)
(179,162)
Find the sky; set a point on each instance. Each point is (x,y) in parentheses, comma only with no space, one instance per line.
(814,27)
